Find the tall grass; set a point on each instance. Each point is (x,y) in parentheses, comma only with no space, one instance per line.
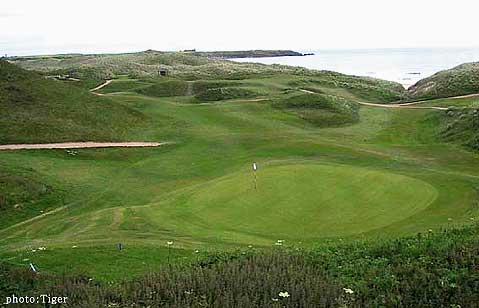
(435,269)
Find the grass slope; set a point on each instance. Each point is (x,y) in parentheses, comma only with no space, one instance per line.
(35,109)
(320,109)
(460,80)
(462,125)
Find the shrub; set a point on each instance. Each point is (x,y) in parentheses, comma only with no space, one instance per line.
(218,94)
(321,110)
(165,89)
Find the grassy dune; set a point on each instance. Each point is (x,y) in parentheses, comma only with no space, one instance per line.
(460,80)
(36,109)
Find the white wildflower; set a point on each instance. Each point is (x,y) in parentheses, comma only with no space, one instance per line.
(348,291)
(283,294)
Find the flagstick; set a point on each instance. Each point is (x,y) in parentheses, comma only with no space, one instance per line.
(254,174)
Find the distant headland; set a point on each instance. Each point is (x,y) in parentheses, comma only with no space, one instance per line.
(247,53)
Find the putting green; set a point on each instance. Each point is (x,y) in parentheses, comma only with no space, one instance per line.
(305,201)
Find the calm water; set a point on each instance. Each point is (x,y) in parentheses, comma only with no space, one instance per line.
(405,66)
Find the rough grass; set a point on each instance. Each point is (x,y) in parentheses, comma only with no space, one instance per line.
(363,88)
(320,109)
(189,66)
(436,269)
(165,89)
(219,94)
(22,197)
(35,109)
(461,125)
(460,80)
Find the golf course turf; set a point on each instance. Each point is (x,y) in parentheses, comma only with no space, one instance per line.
(390,174)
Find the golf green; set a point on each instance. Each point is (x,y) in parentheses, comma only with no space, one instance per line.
(305,201)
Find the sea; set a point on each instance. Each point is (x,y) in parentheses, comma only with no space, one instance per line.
(403,65)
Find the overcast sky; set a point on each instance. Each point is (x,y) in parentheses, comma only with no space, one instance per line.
(59,26)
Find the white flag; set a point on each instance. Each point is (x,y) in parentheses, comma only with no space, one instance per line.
(32,268)
(255,167)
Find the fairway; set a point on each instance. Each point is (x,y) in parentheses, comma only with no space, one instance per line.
(377,174)
(307,201)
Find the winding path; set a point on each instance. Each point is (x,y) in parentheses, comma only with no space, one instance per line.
(100,87)
(411,105)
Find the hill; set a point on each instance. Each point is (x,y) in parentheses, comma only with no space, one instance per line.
(36,109)
(460,80)
(320,109)
(248,54)
(189,66)
(461,125)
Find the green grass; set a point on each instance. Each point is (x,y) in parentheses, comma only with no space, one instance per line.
(295,202)
(22,197)
(165,89)
(462,126)
(35,109)
(381,176)
(122,85)
(219,94)
(320,109)
(437,268)
(460,80)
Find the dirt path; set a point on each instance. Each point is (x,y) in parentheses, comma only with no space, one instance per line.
(411,105)
(79,145)
(403,106)
(100,87)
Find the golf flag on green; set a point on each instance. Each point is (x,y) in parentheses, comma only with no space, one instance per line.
(255,167)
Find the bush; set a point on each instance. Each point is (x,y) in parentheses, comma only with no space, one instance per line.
(321,110)
(165,89)
(461,125)
(219,94)
(435,269)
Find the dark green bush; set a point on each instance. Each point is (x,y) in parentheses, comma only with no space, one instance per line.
(219,94)
(165,89)
(320,109)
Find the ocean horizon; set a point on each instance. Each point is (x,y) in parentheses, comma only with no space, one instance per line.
(403,65)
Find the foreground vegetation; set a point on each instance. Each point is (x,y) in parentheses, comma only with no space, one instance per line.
(435,269)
